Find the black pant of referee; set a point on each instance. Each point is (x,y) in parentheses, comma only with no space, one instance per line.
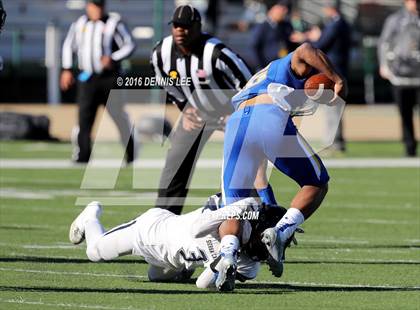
(90,95)
(181,159)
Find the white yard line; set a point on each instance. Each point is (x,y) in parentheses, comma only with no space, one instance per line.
(24,194)
(338,285)
(41,247)
(62,305)
(61,246)
(202,163)
(307,284)
(364,206)
(109,197)
(368,221)
(355,261)
(71,273)
(46,247)
(27,226)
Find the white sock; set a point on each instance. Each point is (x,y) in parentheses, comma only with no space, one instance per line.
(93,230)
(110,245)
(290,221)
(229,245)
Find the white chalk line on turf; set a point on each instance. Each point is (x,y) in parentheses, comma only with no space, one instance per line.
(202,163)
(338,285)
(15,192)
(368,221)
(41,247)
(62,305)
(74,273)
(309,284)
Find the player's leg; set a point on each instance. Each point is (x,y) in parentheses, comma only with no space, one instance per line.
(292,155)
(242,158)
(180,162)
(118,241)
(229,231)
(264,189)
(86,115)
(101,245)
(221,273)
(91,213)
(242,155)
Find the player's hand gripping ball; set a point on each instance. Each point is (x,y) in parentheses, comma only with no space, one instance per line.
(319,88)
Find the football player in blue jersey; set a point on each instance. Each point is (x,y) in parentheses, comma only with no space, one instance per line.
(262,128)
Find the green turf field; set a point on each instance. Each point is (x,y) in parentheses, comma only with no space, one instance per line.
(361,250)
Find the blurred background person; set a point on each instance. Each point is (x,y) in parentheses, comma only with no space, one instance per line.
(2,21)
(2,16)
(254,12)
(298,24)
(270,40)
(212,16)
(101,41)
(399,60)
(335,41)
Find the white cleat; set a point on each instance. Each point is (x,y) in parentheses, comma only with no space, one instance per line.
(225,267)
(77,229)
(276,244)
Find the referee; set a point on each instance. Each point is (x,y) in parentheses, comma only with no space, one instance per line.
(213,68)
(101,41)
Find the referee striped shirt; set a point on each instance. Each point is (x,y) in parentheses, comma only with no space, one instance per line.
(91,40)
(215,71)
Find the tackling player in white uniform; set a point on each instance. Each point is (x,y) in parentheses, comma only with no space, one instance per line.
(174,245)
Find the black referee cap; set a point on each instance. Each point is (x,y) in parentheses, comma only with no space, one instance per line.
(186,15)
(97,2)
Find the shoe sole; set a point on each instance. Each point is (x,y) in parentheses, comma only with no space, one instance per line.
(76,235)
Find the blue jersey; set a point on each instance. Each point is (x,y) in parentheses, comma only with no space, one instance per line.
(278,71)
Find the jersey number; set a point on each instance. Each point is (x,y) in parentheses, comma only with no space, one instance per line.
(192,256)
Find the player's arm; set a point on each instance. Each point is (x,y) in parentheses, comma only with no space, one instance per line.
(230,227)
(306,57)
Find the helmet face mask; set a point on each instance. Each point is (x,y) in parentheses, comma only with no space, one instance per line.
(269,216)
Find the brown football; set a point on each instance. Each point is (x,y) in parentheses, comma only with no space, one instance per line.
(319,82)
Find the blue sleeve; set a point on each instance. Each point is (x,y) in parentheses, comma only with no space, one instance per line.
(281,72)
(280,69)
